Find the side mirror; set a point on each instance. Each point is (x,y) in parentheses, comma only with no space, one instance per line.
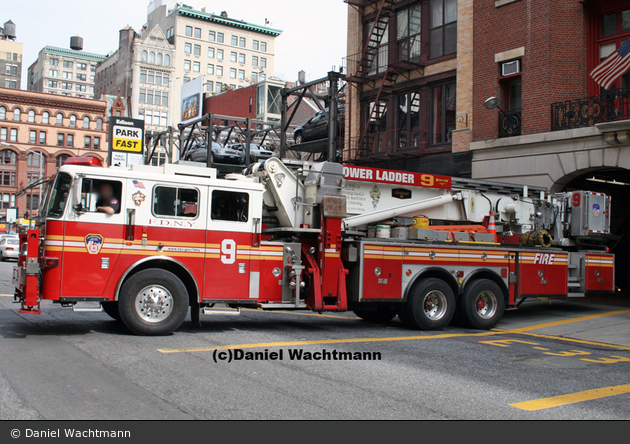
(77,206)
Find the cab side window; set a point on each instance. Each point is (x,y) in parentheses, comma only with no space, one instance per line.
(230,206)
(175,202)
(101,196)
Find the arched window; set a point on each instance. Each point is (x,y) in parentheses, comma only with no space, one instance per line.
(159,58)
(151,57)
(8,168)
(31,116)
(34,159)
(167,60)
(73,121)
(143,56)
(17,112)
(86,122)
(45,118)
(3,113)
(8,157)
(59,119)
(61,159)
(99,124)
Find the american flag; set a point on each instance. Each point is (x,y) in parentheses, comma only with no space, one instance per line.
(613,67)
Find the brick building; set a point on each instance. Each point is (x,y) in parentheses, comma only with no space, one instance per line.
(409,100)
(38,132)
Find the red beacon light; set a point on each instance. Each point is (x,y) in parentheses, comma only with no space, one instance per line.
(84,161)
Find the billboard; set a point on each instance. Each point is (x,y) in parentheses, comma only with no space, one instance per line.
(191,100)
(126,142)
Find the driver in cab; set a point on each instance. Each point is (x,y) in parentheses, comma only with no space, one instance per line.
(107,201)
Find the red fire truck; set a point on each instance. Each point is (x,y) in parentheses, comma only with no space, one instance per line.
(315,236)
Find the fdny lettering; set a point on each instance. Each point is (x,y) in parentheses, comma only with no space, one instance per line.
(171,223)
(544,258)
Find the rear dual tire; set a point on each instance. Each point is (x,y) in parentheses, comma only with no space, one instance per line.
(430,305)
(482,305)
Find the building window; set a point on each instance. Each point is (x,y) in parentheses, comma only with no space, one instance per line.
(197,33)
(263,46)
(17,112)
(408,33)
(233,57)
(241,74)
(32,136)
(220,37)
(13,137)
(167,60)
(61,160)
(86,122)
(32,202)
(3,134)
(219,70)
(255,60)
(158,97)
(143,76)
(32,178)
(144,56)
(196,67)
(241,59)
(254,77)
(92,68)
(87,144)
(82,66)
(197,50)
(70,140)
(42,137)
(232,73)
(189,31)
(97,143)
(210,86)
(165,79)
(51,72)
(31,116)
(234,40)
(187,48)
(242,42)
(443,38)
(45,118)
(255,45)
(73,121)
(60,139)
(151,77)
(186,79)
(219,54)
(164,99)
(8,178)
(443,102)
(211,69)
(158,159)
(33,159)
(159,58)
(152,57)
(53,62)
(52,84)
(99,124)
(59,119)
(82,77)
(219,87)
(8,157)
(149,96)
(67,64)
(158,78)
(212,36)
(3,113)
(186,65)
(210,52)
(263,62)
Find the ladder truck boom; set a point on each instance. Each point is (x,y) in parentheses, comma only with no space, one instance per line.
(323,236)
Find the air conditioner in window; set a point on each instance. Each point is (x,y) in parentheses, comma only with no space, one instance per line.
(509,68)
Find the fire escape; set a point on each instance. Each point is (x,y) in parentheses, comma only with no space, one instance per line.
(361,69)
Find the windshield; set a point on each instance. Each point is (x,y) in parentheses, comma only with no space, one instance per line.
(56,201)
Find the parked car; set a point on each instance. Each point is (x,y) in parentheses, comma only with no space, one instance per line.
(218,154)
(315,128)
(8,235)
(9,248)
(257,153)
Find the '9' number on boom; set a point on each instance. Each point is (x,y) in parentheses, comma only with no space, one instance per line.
(228,251)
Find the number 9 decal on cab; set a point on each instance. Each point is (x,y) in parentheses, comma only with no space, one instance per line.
(228,251)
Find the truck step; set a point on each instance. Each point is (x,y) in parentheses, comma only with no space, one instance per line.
(574,279)
(575,295)
(82,306)
(574,285)
(224,312)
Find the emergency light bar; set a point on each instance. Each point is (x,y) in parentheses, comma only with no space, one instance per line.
(85,161)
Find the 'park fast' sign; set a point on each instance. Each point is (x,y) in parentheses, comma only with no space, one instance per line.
(126,137)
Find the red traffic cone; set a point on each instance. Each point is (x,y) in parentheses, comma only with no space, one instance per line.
(492,228)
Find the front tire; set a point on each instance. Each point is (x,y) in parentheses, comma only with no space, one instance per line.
(299,138)
(153,303)
(482,305)
(430,305)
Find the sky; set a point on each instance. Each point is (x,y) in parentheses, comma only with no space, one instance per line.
(313,37)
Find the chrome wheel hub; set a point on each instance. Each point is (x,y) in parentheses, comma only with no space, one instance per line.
(434,305)
(486,304)
(154,303)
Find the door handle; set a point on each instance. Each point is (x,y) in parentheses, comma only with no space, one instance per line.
(256,233)
(131,215)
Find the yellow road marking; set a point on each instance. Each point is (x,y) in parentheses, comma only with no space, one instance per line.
(567,321)
(7,295)
(572,398)
(577,341)
(323,341)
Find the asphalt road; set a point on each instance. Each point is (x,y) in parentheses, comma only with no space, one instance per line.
(66,365)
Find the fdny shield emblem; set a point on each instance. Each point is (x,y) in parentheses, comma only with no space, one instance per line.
(93,243)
